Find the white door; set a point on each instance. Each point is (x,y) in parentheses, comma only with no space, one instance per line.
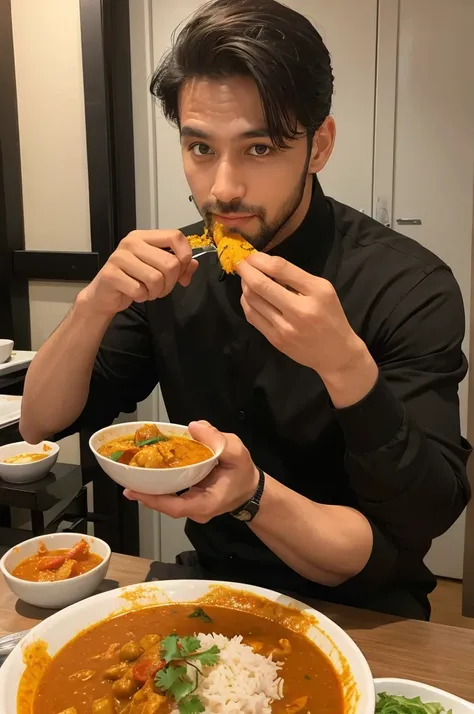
(350,32)
(433,174)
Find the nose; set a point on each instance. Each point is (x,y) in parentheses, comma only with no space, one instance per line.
(228,184)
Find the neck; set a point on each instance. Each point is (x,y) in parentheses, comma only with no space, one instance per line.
(297,218)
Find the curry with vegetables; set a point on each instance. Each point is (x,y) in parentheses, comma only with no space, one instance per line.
(48,566)
(150,449)
(135,663)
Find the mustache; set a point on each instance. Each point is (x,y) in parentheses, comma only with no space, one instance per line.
(222,208)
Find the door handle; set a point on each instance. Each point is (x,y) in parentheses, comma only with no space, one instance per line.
(409,221)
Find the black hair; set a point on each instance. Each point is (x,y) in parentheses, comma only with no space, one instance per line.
(263,39)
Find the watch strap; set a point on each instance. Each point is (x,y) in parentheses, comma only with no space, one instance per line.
(253,504)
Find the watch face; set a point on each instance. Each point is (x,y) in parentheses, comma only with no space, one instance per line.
(244,516)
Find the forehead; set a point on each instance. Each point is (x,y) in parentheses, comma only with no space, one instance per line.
(226,106)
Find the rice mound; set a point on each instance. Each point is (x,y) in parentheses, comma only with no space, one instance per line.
(242,681)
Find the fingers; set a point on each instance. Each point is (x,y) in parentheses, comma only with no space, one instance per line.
(257,320)
(127,264)
(141,257)
(125,284)
(259,304)
(197,504)
(186,277)
(172,506)
(280,270)
(205,433)
(168,239)
(262,285)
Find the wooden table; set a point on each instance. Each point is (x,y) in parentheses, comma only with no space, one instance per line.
(437,654)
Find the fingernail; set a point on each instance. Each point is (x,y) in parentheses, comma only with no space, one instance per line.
(128,494)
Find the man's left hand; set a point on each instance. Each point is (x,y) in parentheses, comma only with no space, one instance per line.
(232,482)
(306,322)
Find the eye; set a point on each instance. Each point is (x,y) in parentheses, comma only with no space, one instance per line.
(260,150)
(201,150)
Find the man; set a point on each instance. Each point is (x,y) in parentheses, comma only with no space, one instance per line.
(328,367)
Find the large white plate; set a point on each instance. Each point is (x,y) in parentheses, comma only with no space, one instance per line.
(10,408)
(58,629)
(18,360)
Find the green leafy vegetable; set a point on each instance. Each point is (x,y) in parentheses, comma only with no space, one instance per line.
(193,705)
(188,645)
(394,704)
(154,440)
(167,677)
(307,677)
(174,679)
(200,614)
(208,658)
(116,455)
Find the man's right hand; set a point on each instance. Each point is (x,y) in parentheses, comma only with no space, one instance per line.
(140,270)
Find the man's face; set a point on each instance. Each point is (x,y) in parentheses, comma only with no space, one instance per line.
(236,175)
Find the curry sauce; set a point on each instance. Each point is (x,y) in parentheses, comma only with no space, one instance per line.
(88,668)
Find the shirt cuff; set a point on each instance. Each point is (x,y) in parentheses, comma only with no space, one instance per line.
(373,422)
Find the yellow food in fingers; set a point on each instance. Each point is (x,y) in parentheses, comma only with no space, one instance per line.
(231,249)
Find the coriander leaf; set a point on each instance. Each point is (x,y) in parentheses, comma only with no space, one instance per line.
(170,649)
(154,440)
(116,455)
(167,677)
(208,658)
(307,677)
(394,704)
(182,688)
(191,705)
(187,646)
(199,613)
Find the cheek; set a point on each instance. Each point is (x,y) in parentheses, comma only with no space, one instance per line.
(199,178)
(269,185)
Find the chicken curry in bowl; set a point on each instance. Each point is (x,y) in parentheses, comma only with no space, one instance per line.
(49,566)
(183,658)
(149,448)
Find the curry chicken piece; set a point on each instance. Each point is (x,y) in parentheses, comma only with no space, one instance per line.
(147,431)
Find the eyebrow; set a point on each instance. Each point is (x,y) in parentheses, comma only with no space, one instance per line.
(190,131)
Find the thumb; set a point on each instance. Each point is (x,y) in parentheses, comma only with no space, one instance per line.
(185,278)
(207,434)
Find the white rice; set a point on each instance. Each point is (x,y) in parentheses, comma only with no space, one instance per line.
(242,681)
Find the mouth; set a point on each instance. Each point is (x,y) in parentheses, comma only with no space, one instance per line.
(234,220)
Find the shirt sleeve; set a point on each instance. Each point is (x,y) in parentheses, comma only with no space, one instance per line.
(406,458)
(124,371)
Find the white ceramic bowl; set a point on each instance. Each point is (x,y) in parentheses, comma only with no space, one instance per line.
(57,630)
(6,348)
(64,592)
(25,473)
(410,689)
(150,481)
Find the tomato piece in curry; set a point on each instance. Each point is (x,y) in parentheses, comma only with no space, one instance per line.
(48,566)
(110,668)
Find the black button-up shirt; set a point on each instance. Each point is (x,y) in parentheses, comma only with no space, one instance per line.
(397,456)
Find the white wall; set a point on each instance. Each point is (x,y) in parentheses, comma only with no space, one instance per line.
(48,65)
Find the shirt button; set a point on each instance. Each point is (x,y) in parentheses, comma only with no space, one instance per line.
(242,415)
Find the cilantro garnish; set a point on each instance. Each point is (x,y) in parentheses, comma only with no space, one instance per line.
(201,615)
(174,679)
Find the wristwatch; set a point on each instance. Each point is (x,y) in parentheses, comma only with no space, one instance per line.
(249,510)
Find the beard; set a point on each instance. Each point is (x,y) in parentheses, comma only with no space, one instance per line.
(268,230)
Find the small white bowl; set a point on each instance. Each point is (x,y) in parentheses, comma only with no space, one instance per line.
(26,473)
(6,349)
(410,689)
(149,481)
(63,592)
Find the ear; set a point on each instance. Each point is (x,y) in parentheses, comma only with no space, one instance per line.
(323,144)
